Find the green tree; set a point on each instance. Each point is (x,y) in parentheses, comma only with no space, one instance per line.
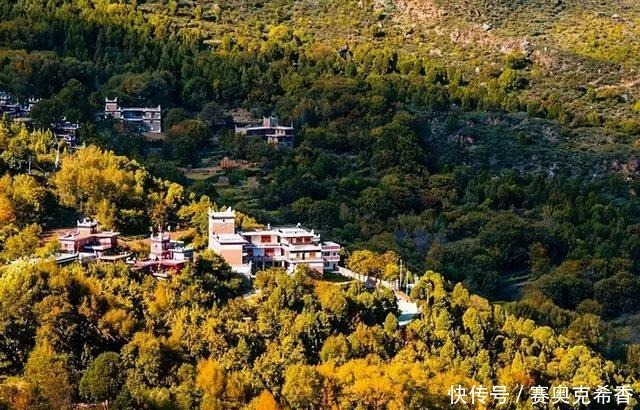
(102,381)
(215,117)
(186,138)
(174,116)
(196,93)
(510,80)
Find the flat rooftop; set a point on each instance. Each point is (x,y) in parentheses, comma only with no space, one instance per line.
(157,109)
(294,230)
(288,231)
(75,236)
(242,269)
(106,234)
(302,248)
(98,247)
(260,232)
(227,213)
(114,258)
(230,238)
(262,127)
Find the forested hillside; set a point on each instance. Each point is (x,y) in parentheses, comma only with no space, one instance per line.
(495,142)
(104,334)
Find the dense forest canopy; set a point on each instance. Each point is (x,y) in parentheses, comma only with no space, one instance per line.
(491,163)
(105,334)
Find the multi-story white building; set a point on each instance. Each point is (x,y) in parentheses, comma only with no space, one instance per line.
(286,247)
(146,119)
(271,132)
(331,256)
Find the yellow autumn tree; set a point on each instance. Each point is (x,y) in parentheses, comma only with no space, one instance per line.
(92,179)
(17,393)
(211,378)
(49,372)
(21,200)
(266,401)
(7,214)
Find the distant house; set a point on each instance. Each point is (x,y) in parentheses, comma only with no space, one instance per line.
(13,108)
(89,242)
(166,255)
(144,119)
(286,247)
(66,131)
(271,132)
(165,249)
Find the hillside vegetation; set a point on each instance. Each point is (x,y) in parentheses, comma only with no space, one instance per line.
(584,54)
(492,142)
(106,335)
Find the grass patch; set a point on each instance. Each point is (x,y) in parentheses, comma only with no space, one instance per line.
(334,277)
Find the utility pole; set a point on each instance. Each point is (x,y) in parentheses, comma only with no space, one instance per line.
(407,285)
(57,156)
(400,283)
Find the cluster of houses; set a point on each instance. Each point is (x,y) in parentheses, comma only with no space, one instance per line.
(246,252)
(142,119)
(15,109)
(65,131)
(287,247)
(149,119)
(89,243)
